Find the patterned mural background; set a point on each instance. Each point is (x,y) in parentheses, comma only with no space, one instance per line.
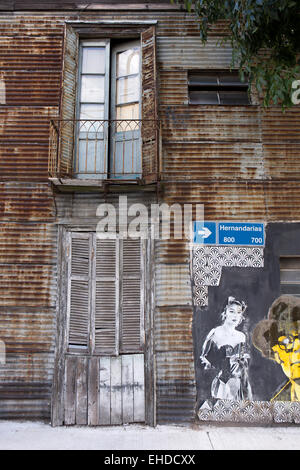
(251,412)
(208,262)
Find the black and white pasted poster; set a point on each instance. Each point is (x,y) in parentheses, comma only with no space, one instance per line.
(226,353)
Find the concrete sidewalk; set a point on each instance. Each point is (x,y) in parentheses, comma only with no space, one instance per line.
(36,435)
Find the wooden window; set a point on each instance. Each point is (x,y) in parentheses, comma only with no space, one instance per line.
(125,136)
(221,88)
(105,295)
(126,80)
(290,275)
(96,87)
(91,146)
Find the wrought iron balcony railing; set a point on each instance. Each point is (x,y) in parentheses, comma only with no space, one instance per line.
(103,149)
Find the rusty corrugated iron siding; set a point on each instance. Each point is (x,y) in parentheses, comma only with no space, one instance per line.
(235,161)
(281,143)
(30,65)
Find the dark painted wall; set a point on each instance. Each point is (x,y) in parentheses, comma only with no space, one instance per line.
(258,287)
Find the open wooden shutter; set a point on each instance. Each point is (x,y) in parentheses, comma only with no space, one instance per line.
(131,325)
(68,102)
(106,297)
(79,291)
(150,142)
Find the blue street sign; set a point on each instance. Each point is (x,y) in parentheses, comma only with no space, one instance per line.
(205,233)
(239,233)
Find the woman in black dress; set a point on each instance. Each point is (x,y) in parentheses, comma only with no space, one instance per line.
(225,350)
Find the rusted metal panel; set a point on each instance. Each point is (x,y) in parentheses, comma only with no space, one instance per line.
(26,202)
(27,286)
(189,53)
(228,200)
(244,200)
(25,388)
(29,124)
(176,401)
(173,90)
(207,142)
(210,123)
(175,365)
(31,66)
(30,58)
(173,285)
(185,24)
(29,53)
(19,161)
(34,88)
(172,251)
(29,5)
(27,331)
(176,392)
(81,208)
(25,408)
(31,25)
(28,368)
(205,160)
(27,243)
(281,142)
(171,23)
(173,329)
(24,137)
(282,201)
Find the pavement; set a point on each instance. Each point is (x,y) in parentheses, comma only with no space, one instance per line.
(22,435)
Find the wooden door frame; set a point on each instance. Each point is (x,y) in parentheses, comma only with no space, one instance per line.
(58,392)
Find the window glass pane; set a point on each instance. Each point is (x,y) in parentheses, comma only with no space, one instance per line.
(203,80)
(204,97)
(231,79)
(128,62)
(128,89)
(130,111)
(92,111)
(234,97)
(92,89)
(93,60)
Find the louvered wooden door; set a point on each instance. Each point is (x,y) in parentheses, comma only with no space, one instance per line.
(104,350)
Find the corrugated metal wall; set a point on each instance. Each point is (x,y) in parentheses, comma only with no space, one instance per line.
(239,162)
(30,64)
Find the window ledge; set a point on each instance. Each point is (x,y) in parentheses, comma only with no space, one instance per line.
(86,185)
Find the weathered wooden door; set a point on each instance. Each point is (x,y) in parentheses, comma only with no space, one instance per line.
(101,390)
(102,364)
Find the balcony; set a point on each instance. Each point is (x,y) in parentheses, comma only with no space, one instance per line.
(94,153)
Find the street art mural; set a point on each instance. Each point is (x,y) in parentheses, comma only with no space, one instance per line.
(225,349)
(278,339)
(246,332)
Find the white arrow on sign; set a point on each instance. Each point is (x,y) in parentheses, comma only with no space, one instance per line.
(205,232)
